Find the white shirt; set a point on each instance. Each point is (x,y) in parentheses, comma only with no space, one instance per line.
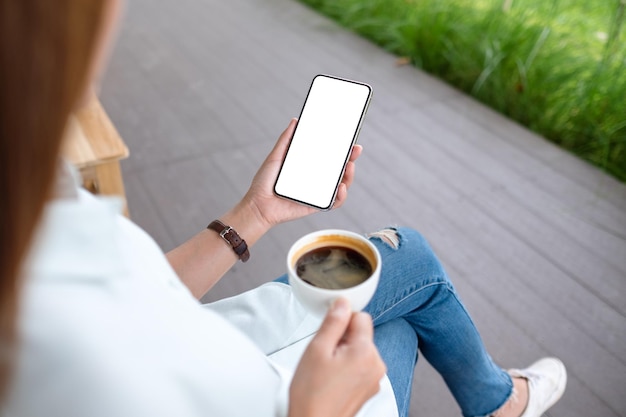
(108,329)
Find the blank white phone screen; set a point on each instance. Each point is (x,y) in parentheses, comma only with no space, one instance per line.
(321,145)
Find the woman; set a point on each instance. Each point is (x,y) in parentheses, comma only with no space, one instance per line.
(95,320)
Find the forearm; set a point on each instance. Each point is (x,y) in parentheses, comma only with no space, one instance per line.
(205,258)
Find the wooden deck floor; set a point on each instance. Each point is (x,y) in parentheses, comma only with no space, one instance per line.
(534,239)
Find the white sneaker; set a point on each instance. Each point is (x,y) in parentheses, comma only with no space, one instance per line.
(546,383)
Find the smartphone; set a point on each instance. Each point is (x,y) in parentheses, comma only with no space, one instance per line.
(321,145)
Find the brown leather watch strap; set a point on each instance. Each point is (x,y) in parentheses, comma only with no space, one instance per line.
(232,238)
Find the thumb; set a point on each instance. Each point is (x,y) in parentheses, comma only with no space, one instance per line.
(334,325)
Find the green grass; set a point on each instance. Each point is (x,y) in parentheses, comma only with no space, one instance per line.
(556,66)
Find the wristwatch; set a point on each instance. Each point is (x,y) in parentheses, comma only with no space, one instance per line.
(232,238)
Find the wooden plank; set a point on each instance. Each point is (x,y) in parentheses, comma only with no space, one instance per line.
(567,164)
(493,178)
(584,199)
(92,138)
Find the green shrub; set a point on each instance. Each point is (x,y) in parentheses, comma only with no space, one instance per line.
(558,67)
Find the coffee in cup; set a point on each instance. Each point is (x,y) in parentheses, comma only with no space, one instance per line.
(329,264)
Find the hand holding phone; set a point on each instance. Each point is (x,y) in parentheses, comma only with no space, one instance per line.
(320,148)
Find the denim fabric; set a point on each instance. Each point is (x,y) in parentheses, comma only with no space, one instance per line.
(415,305)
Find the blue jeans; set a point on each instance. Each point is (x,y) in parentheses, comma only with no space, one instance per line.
(416,307)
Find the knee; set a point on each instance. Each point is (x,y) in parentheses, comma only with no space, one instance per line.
(388,235)
(410,248)
(394,237)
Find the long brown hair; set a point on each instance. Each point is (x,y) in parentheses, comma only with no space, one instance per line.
(46,51)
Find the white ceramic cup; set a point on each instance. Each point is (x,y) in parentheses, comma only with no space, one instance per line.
(317,300)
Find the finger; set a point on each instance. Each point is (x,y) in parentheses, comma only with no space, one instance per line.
(357,150)
(346,182)
(342,195)
(348,175)
(334,326)
(283,140)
